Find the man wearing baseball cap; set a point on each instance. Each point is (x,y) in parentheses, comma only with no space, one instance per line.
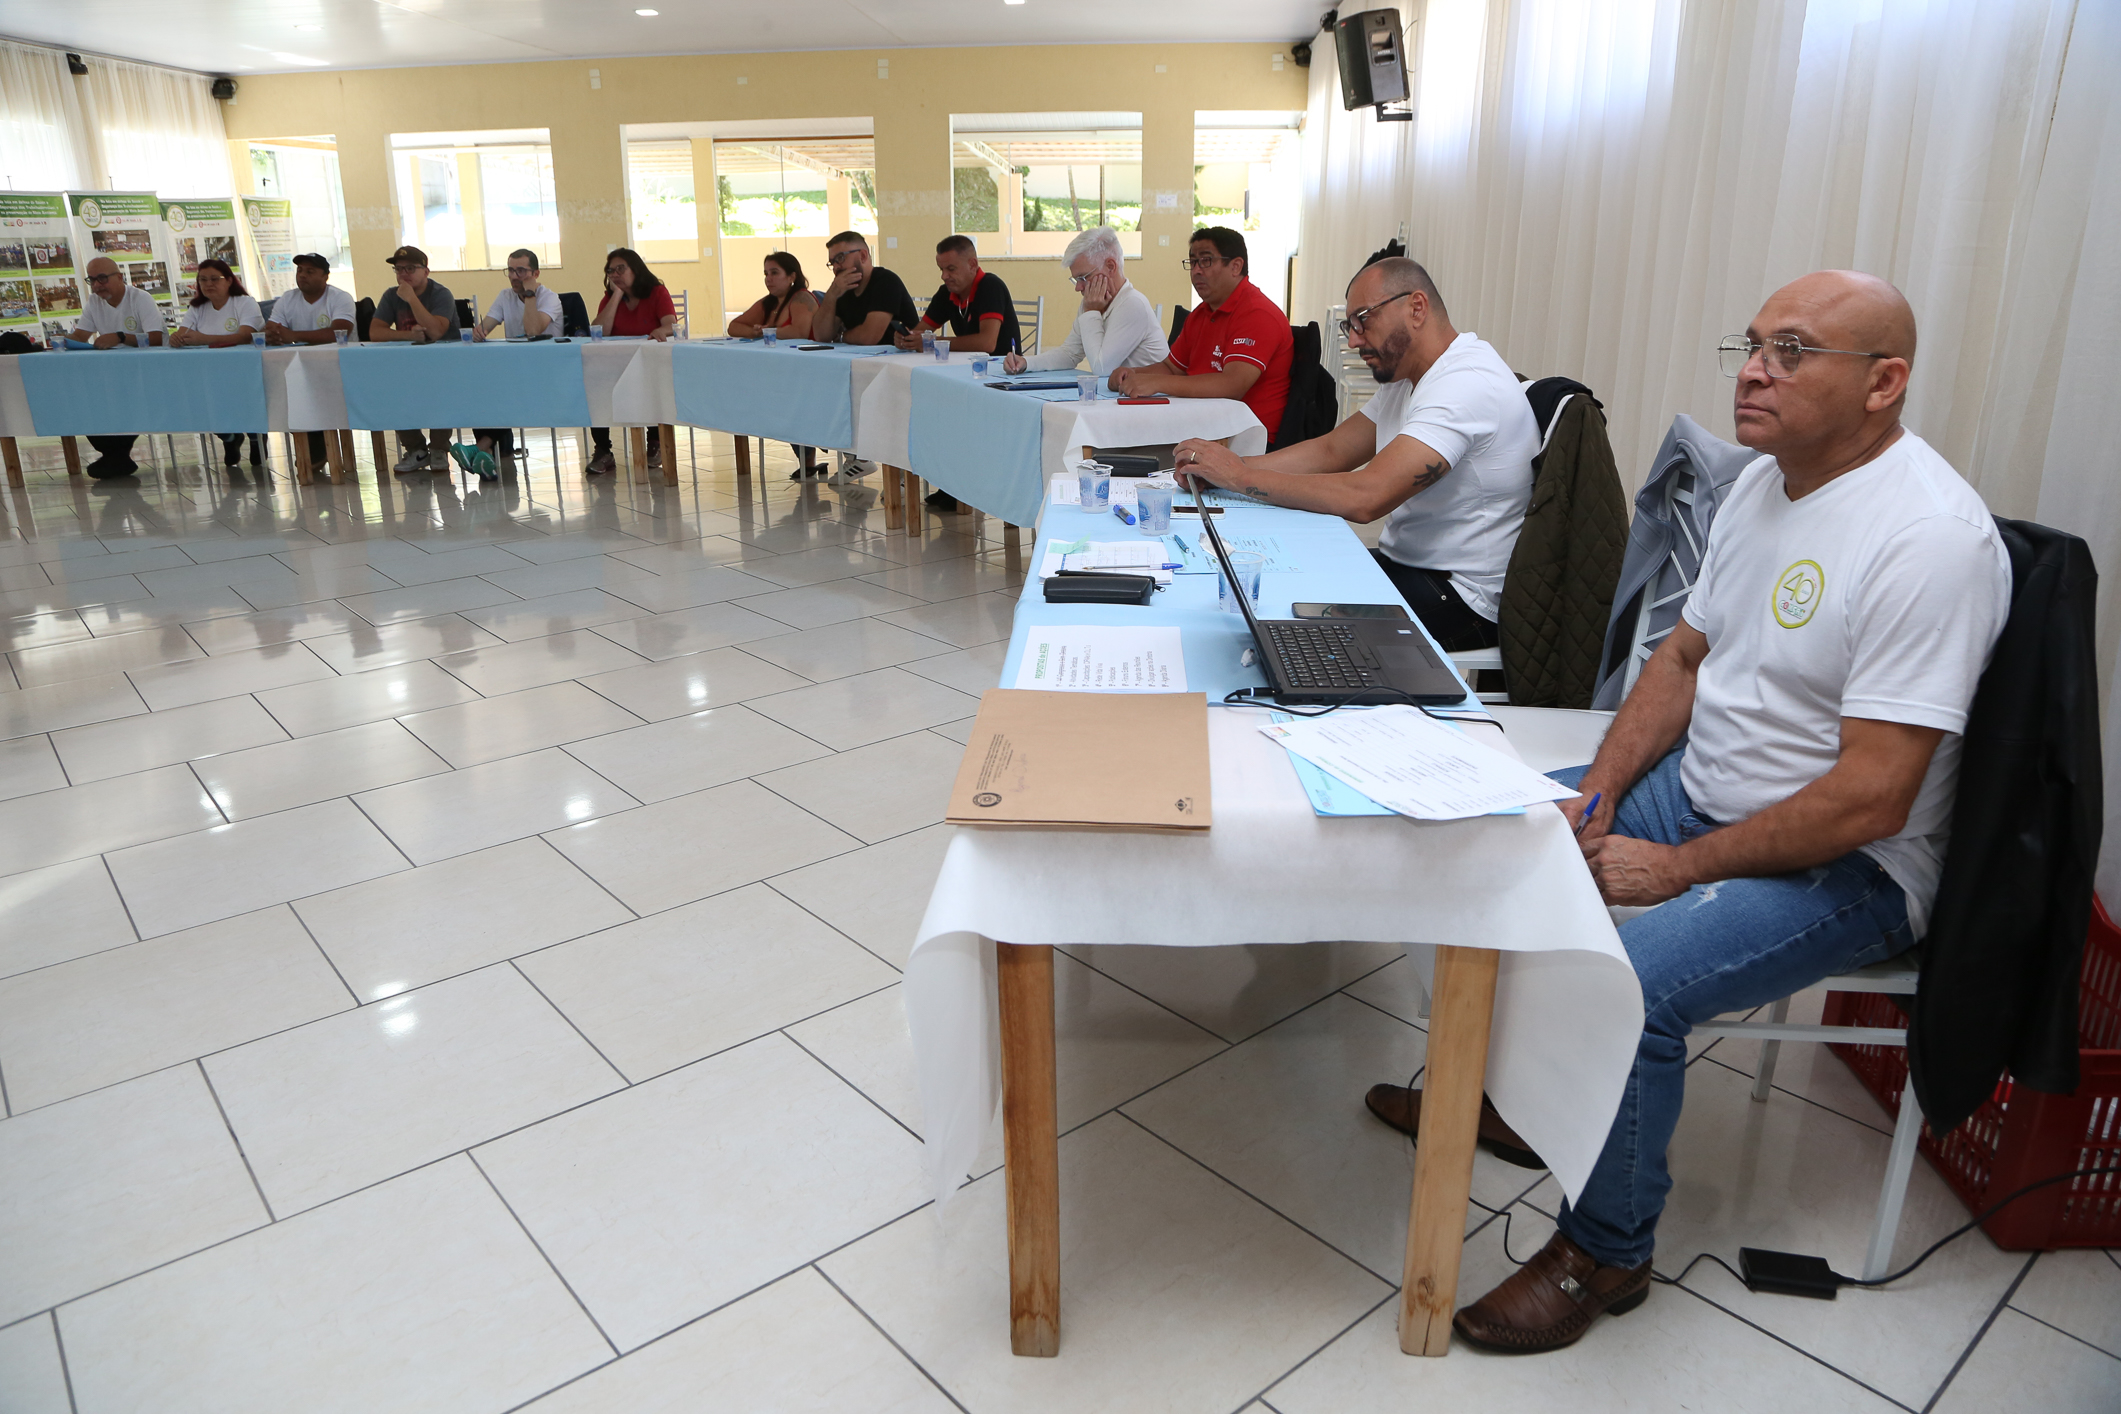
(313,312)
(420,311)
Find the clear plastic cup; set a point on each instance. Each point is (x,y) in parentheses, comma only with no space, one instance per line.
(464,335)
(1152,509)
(1094,484)
(596,332)
(1250,567)
(1086,388)
(677,330)
(339,336)
(979,365)
(257,341)
(927,341)
(771,335)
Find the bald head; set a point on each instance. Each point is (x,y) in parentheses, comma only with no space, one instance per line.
(1393,275)
(104,279)
(102,265)
(1853,310)
(1839,403)
(1406,328)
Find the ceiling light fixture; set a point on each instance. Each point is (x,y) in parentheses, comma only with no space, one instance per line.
(650,13)
(1012,2)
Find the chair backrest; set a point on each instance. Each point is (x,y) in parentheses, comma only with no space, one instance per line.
(1314,399)
(466,316)
(678,302)
(364,313)
(1178,321)
(265,307)
(574,315)
(1030,322)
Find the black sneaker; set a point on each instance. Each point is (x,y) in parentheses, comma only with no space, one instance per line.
(110,468)
(942,502)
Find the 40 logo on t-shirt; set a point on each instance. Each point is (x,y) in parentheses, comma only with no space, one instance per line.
(1798,591)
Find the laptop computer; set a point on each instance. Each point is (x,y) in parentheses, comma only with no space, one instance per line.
(1342,660)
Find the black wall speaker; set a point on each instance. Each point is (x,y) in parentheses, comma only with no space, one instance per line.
(1373,62)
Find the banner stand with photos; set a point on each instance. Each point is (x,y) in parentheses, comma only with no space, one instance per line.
(202,228)
(40,286)
(125,226)
(272,236)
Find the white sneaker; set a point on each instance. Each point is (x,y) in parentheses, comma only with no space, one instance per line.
(412,461)
(854,466)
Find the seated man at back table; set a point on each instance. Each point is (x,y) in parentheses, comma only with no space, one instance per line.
(975,306)
(1236,343)
(864,300)
(1117,326)
(416,310)
(1784,769)
(313,312)
(1444,449)
(116,315)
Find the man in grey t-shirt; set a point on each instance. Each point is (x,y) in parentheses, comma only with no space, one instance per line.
(419,311)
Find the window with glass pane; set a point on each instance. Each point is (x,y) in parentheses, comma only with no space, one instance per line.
(665,216)
(792,190)
(305,172)
(1035,179)
(1247,175)
(469,198)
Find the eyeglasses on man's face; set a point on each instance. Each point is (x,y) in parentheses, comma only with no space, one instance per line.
(519,271)
(99,279)
(1780,355)
(1203,262)
(1359,319)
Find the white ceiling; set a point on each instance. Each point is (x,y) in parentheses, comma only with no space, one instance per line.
(279,36)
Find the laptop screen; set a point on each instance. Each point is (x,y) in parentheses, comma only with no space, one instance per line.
(1222,557)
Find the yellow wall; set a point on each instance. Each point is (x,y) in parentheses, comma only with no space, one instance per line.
(911,110)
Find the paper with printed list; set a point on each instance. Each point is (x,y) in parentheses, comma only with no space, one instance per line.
(1098,658)
(1405,760)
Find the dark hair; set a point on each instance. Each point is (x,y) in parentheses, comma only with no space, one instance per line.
(962,245)
(1229,244)
(797,280)
(848,238)
(532,257)
(235,286)
(644,281)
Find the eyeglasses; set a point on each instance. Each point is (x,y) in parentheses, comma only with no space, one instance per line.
(110,275)
(1202,262)
(407,269)
(1359,319)
(1781,354)
(519,270)
(835,259)
(1080,281)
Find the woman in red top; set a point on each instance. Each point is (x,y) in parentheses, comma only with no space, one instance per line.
(635,303)
(786,309)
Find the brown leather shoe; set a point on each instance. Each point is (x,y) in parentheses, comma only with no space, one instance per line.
(1400,1107)
(1551,1301)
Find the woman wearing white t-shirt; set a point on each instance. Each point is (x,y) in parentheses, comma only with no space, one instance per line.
(222,316)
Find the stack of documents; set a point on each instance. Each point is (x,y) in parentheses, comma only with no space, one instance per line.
(1101,658)
(1136,556)
(1410,763)
(1045,760)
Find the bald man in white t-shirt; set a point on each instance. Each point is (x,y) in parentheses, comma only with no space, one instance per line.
(1779,782)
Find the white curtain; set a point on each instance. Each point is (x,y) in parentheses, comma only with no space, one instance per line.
(43,139)
(159,130)
(1602,188)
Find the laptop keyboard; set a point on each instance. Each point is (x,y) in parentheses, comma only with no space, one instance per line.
(1320,655)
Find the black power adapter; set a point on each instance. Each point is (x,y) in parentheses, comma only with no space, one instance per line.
(1788,1274)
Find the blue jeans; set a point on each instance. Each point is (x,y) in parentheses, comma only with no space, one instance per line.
(1716,948)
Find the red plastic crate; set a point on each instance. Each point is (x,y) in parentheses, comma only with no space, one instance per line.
(2017,1137)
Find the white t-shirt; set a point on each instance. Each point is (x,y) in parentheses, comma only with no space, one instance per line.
(136,313)
(240,310)
(1123,335)
(299,315)
(507,307)
(1879,595)
(1470,409)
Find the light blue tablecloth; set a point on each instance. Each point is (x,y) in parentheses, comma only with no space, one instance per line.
(1329,566)
(783,393)
(463,385)
(116,391)
(980,444)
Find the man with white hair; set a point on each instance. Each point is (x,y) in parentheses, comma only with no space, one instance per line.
(1117,326)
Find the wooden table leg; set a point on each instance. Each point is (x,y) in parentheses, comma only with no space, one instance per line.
(305,472)
(743,457)
(336,456)
(637,450)
(12,455)
(1459,1017)
(72,448)
(1030,1147)
(894,498)
(379,450)
(916,512)
(670,455)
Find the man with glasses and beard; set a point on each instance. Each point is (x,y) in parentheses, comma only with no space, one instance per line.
(1444,449)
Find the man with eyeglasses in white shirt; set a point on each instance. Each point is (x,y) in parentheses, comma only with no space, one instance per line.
(1117,326)
(116,315)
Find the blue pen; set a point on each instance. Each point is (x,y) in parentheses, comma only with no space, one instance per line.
(1174,565)
(1121,511)
(1589,811)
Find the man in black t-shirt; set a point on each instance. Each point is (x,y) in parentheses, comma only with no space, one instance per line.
(972,303)
(864,300)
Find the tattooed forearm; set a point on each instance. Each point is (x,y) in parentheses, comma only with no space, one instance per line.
(1258,493)
(1430,475)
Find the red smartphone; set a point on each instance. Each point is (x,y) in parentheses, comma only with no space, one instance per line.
(1137,402)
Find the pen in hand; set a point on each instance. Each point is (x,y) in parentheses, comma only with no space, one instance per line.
(1588,812)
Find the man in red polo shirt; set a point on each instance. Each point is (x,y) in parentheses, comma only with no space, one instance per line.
(1236,344)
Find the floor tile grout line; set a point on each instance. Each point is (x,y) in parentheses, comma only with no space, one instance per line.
(236,1139)
(318,944)
(7,1107)
(532,1237)
(1324,1346)
(1784,1341)
(1801,1099)
(1365,1001)
(66,1370)
(1981,1334)
(784,1032)
(1237,1187)
(2059,1330)
(926,1373)
(625,1081)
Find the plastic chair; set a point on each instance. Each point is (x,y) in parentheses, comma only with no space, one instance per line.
(1030,322)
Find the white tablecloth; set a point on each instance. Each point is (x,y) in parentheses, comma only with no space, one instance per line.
(302,391)
(1568,1010)
(628,382)
(14,403)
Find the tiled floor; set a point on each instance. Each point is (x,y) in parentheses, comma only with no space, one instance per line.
(449,942)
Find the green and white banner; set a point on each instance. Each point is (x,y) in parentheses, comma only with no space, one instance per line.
(125,226)
(38,265)
(272,236)
(202,228)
